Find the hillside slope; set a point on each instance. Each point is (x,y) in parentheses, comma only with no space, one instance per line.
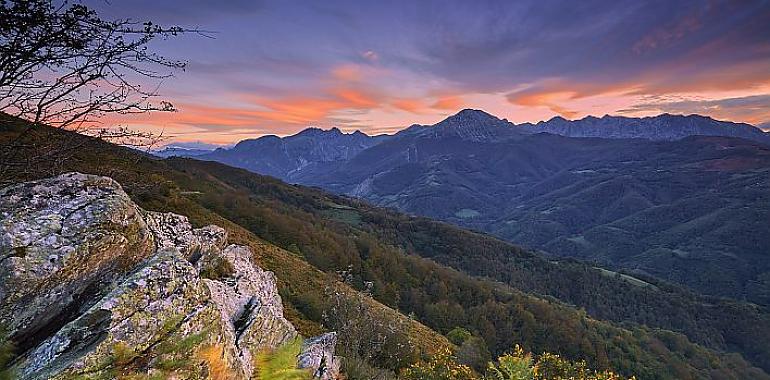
(301,286)
(275,210)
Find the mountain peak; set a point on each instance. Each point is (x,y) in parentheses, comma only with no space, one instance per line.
(472,114)
(469,124)
(469,118)
(556,118)
(315,131)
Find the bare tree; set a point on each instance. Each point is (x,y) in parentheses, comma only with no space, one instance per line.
(369,335)
(63,66)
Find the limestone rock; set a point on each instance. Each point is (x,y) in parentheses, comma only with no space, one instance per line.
(63,242)
(172,230)
(249,304)
(90,284)
(318,355)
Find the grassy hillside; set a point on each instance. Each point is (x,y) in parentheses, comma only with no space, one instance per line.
(321,235)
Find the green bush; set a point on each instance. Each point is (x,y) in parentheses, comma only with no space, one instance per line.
(443,366)
(458,335)
(518,365)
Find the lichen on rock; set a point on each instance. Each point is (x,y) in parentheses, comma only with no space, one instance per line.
(92,286)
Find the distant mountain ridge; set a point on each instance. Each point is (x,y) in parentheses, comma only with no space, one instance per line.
(176,151)
(665,127)
(692,211)
(290,157)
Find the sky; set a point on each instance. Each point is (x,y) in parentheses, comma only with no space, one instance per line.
(277,67)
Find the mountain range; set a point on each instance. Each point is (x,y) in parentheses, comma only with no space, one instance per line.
(682,200)
(316,150)
(184,149)
(289,158)
(661,127)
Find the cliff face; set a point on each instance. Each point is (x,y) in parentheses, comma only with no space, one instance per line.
(90,284)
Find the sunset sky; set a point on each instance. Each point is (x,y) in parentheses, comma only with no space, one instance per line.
(276,67)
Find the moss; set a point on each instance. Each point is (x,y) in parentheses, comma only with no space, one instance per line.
(217,268)
(171,354)
(7,354)
(123,355)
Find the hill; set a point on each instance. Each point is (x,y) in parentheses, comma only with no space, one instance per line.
(537,307)
(300,285)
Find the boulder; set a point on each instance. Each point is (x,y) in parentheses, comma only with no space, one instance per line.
(63,242)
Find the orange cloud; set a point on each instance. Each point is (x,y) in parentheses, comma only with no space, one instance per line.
(356,98)
(549,98)
(299,110)
(191,115)
(448,103)
(409,105)
(679,78)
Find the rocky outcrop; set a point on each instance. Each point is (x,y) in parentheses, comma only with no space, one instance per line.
(318,354)
(90,284)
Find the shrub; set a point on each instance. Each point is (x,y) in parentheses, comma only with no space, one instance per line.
(216,268)
(442,366)
(521,366)
(369,333)
(458,335)
(516,366)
